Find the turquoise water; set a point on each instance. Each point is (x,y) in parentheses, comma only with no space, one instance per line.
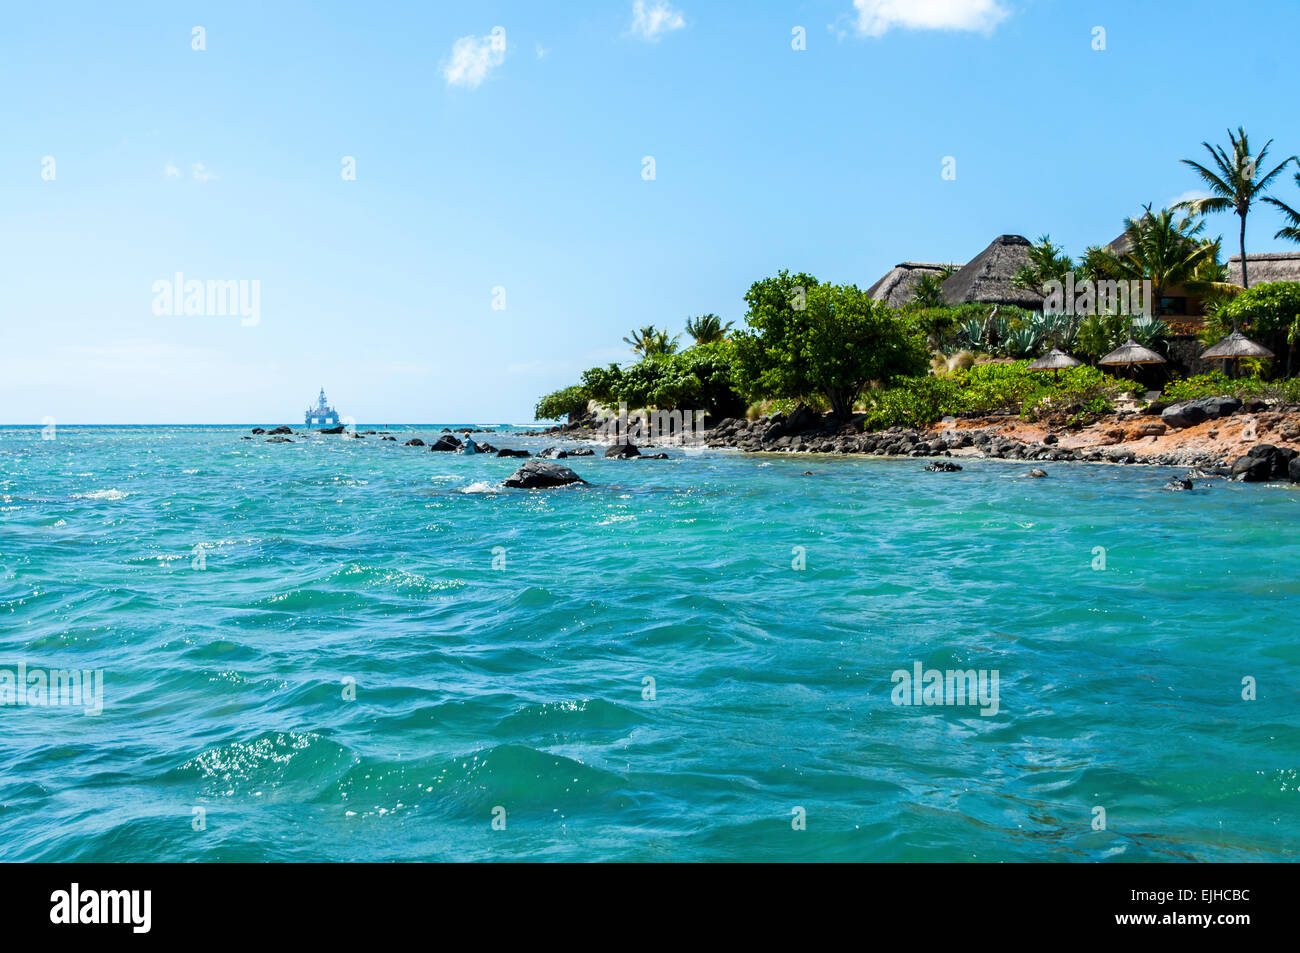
(523,687)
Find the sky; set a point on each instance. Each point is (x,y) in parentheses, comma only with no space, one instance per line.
(532,180)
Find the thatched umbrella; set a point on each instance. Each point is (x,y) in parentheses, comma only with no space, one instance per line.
(1130,354)
(1233,348)
(1055,360)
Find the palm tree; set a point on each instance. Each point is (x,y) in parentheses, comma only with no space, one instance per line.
(1166,251)
(1234,183)
(649,341)
(707,329)
(1047,262)
(927,293)
(1291,231)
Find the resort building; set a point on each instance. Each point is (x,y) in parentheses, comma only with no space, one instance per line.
(1282,266)
(322,415)
(897,287)
(987,278)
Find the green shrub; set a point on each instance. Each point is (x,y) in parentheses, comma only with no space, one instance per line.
(570,402)
(1218,384)
(1080,392)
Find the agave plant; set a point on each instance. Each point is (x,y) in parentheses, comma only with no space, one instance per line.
(1024,341)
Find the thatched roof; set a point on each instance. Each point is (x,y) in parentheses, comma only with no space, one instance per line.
(895,288)
(986,278)
(1282,266)
(1131,353)
(1054,360)
(1236,345)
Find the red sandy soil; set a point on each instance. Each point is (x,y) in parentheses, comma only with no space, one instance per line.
(1226,437)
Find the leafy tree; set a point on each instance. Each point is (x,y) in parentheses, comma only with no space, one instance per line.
(707,329)
(570,402)
(1234,183)
(601,384)
(1268,313)
(833,346)
(699,378)
(1292,231)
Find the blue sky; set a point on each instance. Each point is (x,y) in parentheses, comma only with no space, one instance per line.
(479,168)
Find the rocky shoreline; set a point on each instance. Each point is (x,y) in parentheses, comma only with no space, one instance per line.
(1212,436)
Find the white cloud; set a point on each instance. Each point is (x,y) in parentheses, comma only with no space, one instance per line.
(473,57)
(171,171)
(652,20)
(201,173)
(876,17)
(1191,195)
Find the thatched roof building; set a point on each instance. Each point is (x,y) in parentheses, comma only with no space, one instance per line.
(986,278)
(895,288)
(1282,266)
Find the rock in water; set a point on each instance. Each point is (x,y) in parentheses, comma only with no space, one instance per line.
(279,431)
(943,466)
(622,451)
(540,474)
(445,445)
(1293,470)
(279,440)
(414,442)
(507,452)
(1251,469)
(582,452)
(1177,484)
(333,430)
(552,453)
(1036,473)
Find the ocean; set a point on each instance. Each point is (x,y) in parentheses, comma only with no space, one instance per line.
(353,650)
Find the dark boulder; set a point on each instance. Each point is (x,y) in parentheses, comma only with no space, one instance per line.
(414,442)
(1189,413)
(333,430)
(279,431)
(540,474)
(943,466)
(582,452)
(259,430)
(507,452)
(552,453)
(1252,469)
(654,456)
(1293,469)
(445,445)
(1177,484)
(622,451)
(279,440)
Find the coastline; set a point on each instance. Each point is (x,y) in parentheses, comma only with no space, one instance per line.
(1211,447)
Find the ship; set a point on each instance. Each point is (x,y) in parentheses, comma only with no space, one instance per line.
(322,415)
